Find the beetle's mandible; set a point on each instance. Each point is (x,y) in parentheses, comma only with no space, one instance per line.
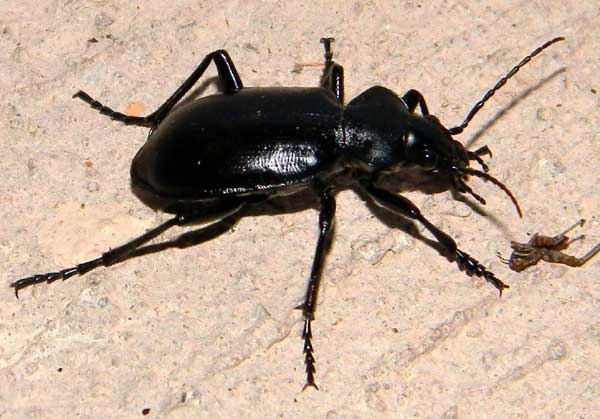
(207,159)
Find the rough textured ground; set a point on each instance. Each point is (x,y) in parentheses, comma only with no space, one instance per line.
(211,331)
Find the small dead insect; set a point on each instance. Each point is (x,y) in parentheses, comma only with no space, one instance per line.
(548,248)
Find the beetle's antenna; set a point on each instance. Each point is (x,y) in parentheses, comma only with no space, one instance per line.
(496,182)
(501,82)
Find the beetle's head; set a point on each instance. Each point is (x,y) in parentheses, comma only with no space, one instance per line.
(429,145)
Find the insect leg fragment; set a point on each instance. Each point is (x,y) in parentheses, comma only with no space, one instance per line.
(547,248)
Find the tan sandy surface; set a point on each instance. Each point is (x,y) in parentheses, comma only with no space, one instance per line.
(211,332)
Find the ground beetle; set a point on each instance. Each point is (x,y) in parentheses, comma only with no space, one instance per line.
(208,158)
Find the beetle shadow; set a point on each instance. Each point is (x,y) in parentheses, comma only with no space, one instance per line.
(308,200)
(214,228)
(400,222)
(289,204)
(429,184)
(190,238)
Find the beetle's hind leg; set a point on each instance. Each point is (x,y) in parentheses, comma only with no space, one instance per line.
(225,213)
(403,206)
(333,73)
(310,300)
(228,77)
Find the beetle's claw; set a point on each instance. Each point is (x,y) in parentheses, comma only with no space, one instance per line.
(472,267)
(502,286)
(16,287)
(49,278)
(23,283)
(310,383)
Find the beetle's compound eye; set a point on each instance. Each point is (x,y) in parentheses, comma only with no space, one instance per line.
(417,152)
(411,139)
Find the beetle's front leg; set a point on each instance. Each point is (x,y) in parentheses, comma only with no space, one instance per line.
(228,76)
(403,206)
(310,300)
(412,98)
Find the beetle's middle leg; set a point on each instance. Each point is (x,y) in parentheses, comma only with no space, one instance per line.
(333,74)
(403,206)
(228,77)
(310,300)
(133,248)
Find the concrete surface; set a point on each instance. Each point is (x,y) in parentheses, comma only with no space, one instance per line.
(211,331)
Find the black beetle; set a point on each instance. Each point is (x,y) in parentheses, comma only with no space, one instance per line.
(210,157)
